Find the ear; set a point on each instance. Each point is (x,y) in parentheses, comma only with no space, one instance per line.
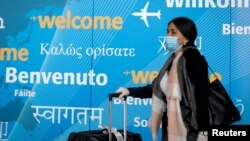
(185,42)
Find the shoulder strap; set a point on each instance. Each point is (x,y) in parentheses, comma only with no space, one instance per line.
(213,72)
(184,49)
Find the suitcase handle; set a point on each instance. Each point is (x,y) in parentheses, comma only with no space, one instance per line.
(116,95)
(111,95)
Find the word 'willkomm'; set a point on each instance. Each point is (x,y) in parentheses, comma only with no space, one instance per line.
(80,22)
(207,3)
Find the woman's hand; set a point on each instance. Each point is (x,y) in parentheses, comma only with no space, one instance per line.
(124,92)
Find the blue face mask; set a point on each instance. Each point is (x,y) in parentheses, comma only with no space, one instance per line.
(171,43)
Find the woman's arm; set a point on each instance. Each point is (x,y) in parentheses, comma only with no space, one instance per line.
(141,92)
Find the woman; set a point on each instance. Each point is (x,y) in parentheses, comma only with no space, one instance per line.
(180,91)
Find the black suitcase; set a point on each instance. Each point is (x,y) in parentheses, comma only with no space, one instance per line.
(100,135)
(105,134)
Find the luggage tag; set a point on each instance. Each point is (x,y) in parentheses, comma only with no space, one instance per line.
(117,134)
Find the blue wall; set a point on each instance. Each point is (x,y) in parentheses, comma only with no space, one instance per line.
(66,56)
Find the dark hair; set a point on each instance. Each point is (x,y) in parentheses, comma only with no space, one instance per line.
(187,27)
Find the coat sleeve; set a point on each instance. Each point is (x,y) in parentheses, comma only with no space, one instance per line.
(141,92)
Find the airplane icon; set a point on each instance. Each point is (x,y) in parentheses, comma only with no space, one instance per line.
(144,14)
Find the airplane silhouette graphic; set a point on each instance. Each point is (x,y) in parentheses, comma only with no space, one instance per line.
(144,14)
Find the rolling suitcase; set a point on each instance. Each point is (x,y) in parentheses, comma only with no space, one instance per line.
(107,134)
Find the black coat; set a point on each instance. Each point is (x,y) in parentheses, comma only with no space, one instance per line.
(193,79)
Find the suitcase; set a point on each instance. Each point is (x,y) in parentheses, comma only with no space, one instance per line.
(106,134)
(100,135)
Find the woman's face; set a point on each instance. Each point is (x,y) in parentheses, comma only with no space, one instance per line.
(175,32)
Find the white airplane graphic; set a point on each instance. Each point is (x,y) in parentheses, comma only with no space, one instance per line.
(144,14)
